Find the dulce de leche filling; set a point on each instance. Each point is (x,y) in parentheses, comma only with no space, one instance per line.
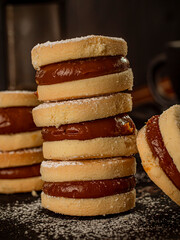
(89,189)
(119,125)
(20,172)
(16,120)
(156,144)
(80,69)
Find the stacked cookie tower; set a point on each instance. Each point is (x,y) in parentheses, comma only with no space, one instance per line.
(88,138)
(20,141)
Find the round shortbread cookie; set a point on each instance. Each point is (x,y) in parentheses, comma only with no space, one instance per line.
(90,87)
(11,142)
(169,124)
(17,99)
(76,48)
(87,170)
(74,111)
(20,185)
(93,148)
(152,168)
(91,206)
(21,157)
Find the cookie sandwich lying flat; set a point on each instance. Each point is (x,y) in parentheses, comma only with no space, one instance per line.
(158,144)
(20,143)
(88,136)
(81,67)
(89,187)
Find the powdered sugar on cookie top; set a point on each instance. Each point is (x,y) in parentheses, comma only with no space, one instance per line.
(17,98)
(55,164)
(23,151)
(77,39)
(17,91)
(79,101)
(77,48)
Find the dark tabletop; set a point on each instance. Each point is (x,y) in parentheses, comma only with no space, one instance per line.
(154,217)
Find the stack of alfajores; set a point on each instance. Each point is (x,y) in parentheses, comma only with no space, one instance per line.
(89,140)
(20,143)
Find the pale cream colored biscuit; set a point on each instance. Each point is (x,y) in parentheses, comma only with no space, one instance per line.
(22,157)
(17,99)
(90,206)
(93,148)
(169,124)
(20,185)
(152,168)
(76,48)
(87,170)
(74,111)
(90,87)
(11,142)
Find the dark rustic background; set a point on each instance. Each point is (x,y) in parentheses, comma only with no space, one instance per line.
(145,25)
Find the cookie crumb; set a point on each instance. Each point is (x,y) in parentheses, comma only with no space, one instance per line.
(34,193)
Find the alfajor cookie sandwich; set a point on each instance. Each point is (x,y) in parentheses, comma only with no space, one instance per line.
(89,187)
(20,143)
(158,144)
(81,68)
(87,128)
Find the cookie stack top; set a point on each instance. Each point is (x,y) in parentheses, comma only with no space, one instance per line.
(18,99)
(18,130)
(77,48)
(63,66)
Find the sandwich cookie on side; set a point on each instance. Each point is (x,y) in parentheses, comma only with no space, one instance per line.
(20,143)
(158,144)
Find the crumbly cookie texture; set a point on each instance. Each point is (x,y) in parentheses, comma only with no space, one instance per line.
(8,186)
(93,148)
(87,170)
(74,111)
(18,99)
(22,157)
(152,168)
(76,48)
(90,207)
(169,124)
(11,142)
(84,88)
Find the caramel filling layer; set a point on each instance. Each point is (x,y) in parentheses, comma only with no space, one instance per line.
(80,69)
(20,172)
(119,125)
(89,189)
(156,144)
(16,120)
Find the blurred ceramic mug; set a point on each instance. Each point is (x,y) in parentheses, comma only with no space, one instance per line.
(164,76)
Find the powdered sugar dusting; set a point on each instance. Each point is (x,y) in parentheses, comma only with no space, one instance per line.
(155,217)
(77,39)
(17,91)
(30,150)
(55,164)
(78,101)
